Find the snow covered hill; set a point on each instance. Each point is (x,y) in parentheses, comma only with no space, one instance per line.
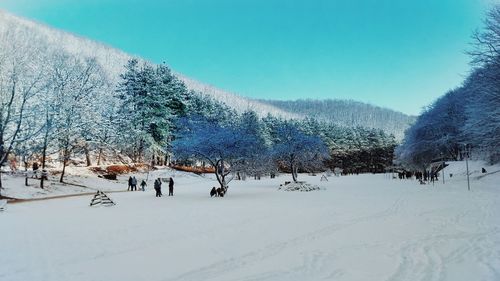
(236,101)
(114,60)
(346,113)
(349,113)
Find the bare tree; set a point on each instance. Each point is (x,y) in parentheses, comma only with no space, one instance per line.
(486,45)
(21,79)
(74,83)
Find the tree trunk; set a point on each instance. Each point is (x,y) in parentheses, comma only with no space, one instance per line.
(87,155)
(99,157)
(44,158)
(25,171)
(220,179)
(63,171)
(2,159)
(66,153)
(294,172)
(220,174)
(48,123)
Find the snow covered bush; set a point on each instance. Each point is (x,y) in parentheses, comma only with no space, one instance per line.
(299,186)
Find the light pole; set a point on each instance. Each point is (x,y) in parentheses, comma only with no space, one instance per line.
(467,151)
(442,159)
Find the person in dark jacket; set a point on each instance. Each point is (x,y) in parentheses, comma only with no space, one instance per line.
(143,185)
(171,187)
(134,184)
(35,169)
(157,186)
(129,183)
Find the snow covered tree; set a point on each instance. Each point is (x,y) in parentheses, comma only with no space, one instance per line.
(135,92)
(199,104)
(74,84)
(259,161)
(151,97)
(469,114)
(348,113)
(21,78)
(47,131)
(486,45)
(296,150)
(220,145)
(482,124)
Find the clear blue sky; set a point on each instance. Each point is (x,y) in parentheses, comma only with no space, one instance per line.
(396,54)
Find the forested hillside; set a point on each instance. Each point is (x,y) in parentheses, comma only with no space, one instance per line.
(466,120)
(349,113)
(113,60)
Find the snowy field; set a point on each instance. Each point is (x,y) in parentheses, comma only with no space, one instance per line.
(366,227)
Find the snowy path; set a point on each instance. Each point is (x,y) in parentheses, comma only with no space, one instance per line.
(360,228)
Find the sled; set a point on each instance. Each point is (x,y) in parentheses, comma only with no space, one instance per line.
(101,199)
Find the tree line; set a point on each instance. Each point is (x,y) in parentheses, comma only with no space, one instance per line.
(349,113)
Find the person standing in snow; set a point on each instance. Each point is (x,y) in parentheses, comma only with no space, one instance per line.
(157,186)
(129,183)
(134,184)
(35,169)
(171,187)
(143,185)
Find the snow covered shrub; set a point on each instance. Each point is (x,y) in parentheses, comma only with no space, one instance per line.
(299,186)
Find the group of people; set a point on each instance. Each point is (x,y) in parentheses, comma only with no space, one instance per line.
(132,185)
(218,192)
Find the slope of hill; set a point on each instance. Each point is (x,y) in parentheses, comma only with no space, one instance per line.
(236,101)
(345,113)
(113,60)
(349,113)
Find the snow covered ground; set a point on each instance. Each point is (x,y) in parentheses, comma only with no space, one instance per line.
(366,227)
(78,180)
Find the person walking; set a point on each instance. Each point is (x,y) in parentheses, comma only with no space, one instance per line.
(134,184)
(157,186)
(129,183)
(143,185)
(171,187)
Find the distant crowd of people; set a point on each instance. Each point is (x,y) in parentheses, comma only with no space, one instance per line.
(420,176)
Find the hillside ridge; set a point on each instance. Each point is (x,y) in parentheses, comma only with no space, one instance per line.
(113,62)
